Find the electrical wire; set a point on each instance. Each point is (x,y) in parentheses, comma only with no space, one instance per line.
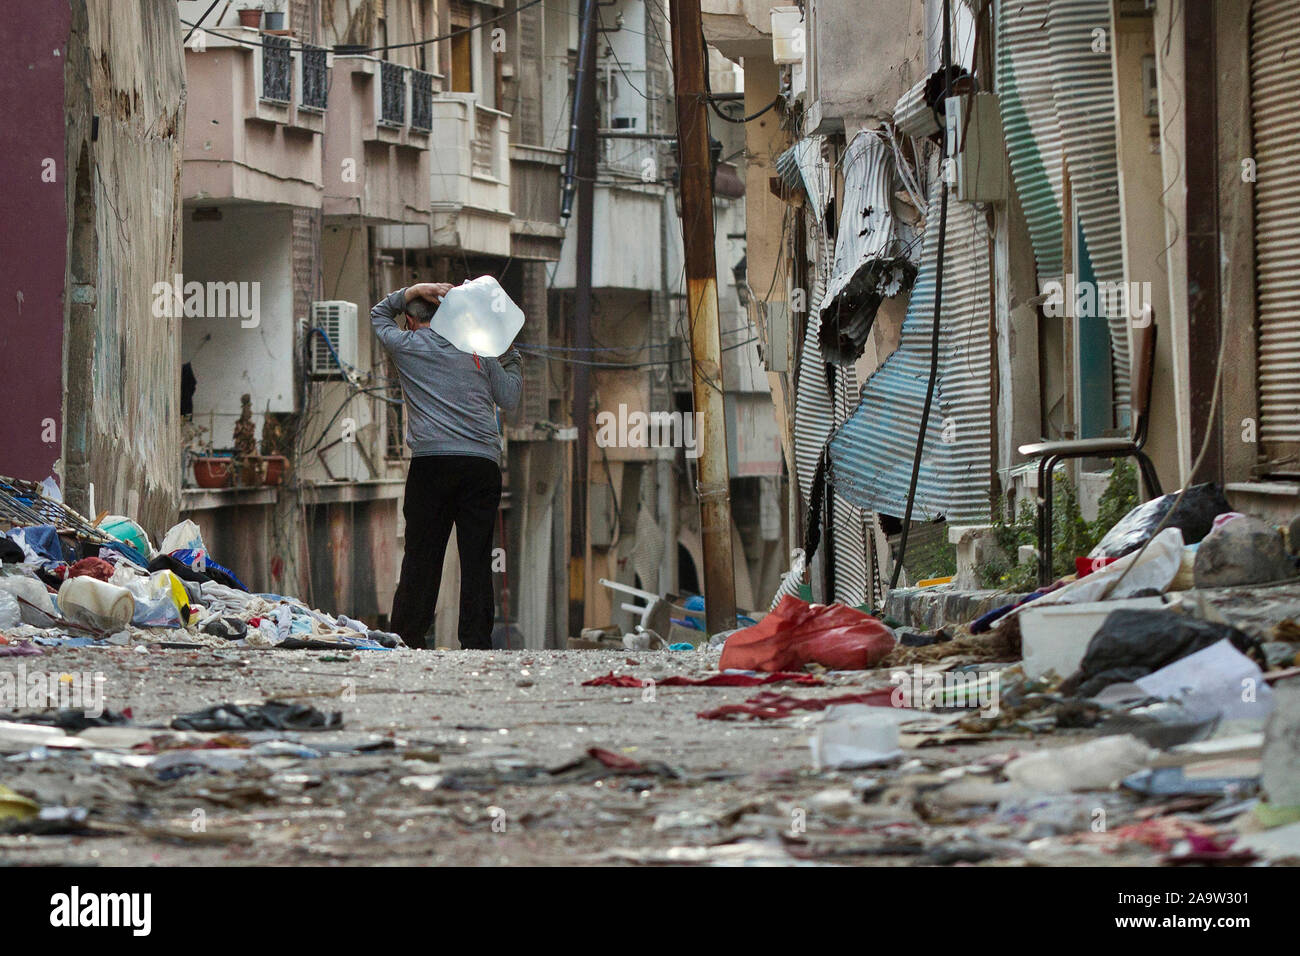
(934,329)
(379,49)
(713,104)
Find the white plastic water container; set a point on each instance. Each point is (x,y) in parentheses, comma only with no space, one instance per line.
(478,317)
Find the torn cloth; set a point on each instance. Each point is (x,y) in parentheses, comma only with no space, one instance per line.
(769,705)
(717,680)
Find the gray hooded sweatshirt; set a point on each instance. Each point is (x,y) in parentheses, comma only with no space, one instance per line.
(451,396)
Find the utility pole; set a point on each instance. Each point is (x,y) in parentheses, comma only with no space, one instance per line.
(582,158)
(690,60)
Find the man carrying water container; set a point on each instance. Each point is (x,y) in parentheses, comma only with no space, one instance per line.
(455,476)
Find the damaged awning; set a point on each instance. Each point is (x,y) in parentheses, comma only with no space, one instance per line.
(871,454)
(871,262)
(816,412)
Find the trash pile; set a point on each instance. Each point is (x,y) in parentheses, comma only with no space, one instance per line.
(67,581)
(1147,705)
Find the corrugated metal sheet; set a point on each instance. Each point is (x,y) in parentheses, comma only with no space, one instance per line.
(802,167)
(870,251)
(871,453)
(1275,92)
(787,167)
(913,115)
(1084,86)
(1030,126)
(815,417)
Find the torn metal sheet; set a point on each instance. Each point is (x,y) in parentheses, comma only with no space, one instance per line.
(871,454)
(871,250)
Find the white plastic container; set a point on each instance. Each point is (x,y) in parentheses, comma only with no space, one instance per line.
(478,317)
(1053,637)
(98,604)
(856,735)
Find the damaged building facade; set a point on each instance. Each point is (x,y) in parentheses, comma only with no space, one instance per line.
(1112,168)
(306,161)
(98,94)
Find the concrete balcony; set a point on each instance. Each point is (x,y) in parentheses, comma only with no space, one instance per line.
(628,217)
(740,28)
(469,176)
(250,135)
(536,232)
(376,142)
(468,183)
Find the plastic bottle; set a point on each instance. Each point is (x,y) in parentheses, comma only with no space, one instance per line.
(10,613)
(98,604)
(478,317)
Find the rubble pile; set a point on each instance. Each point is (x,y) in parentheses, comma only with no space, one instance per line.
(66,581)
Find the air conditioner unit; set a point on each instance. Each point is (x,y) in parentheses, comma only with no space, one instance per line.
(338,320)
(789,37)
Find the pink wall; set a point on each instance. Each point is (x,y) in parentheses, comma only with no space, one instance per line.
(33,246)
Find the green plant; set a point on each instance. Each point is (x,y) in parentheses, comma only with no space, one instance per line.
(1071,535)
(1119,498)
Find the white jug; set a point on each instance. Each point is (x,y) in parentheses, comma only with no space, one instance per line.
(478,317)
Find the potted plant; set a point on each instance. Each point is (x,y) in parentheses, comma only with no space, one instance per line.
(273,449)
(274,14)
(250,17)
(213,471)
(210,470)
(250,464)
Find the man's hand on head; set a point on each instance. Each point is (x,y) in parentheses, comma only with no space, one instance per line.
(433,291)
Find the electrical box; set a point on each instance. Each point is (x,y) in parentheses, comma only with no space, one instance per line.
(789,35)
(777,354)
(338,320)
(977,164)
(600,509)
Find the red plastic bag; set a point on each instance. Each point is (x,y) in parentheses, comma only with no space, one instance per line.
(797,633)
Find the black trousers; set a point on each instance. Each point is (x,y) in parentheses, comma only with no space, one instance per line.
(442,490)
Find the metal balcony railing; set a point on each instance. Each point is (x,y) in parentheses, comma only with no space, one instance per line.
(421,101)
(277,72)
(315,81)
(392,95)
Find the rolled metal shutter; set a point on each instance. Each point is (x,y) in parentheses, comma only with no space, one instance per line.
(815,419)
(1085,104)
(1031,128)
(1275,95)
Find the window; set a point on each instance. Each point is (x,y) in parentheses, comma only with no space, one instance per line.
(392,95)
(462,49)
(315,86)
(277,77)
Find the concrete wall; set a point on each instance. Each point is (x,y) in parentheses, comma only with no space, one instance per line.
(1141,182)
(94,375)
(121,362)
(39,161)
(250,243)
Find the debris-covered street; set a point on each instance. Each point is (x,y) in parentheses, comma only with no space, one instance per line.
(505,758)
(661,435)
